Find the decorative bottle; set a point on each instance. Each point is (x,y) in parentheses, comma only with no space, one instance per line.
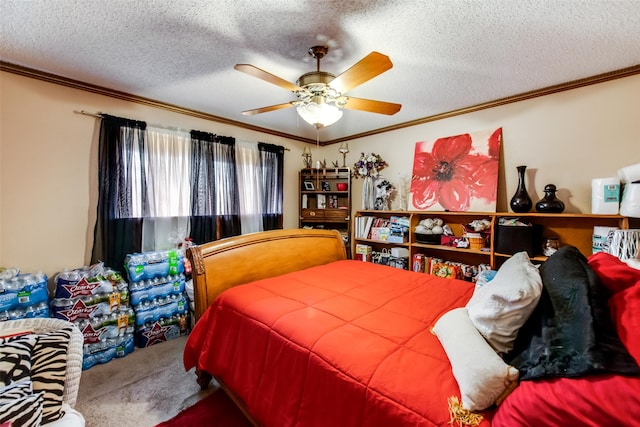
(550,203)
(521,202)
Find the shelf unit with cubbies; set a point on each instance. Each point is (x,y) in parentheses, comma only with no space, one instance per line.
(325,199)
(456,221)
(569,228)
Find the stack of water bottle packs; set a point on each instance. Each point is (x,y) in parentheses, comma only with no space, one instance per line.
(23,295)
(96,300)
(158,296)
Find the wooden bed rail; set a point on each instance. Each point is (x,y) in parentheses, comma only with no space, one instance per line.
(219,265)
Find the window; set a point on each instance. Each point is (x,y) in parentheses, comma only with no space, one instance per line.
(158,186)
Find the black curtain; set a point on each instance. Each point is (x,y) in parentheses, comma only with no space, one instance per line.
(215,204)
(117,232)
(272,166)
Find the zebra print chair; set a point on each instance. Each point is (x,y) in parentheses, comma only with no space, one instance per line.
(74,353)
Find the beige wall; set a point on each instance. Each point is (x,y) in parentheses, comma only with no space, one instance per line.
(48,156)
(566,139)
(48,176)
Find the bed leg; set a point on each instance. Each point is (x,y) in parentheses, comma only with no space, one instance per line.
(204,378)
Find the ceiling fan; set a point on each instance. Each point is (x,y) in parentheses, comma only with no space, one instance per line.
(321,95)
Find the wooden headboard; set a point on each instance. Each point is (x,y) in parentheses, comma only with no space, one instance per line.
(222,264)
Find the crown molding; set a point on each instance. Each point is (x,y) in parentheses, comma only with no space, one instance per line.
(75,84)
(99,90)
(600,78)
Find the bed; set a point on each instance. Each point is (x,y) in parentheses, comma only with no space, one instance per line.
(299,335)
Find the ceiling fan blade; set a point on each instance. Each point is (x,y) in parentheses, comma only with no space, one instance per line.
(372,106)
(267,109)
(364,70)
(266,76)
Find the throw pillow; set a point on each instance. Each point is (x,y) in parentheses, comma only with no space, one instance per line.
(625,313)
(570,333)
(614,274)
(482,375)
(24,412)
(592,400)
(48,370)
(15,358)
(15,391)
(499,308)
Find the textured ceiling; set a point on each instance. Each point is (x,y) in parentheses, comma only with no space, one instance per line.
(447,54)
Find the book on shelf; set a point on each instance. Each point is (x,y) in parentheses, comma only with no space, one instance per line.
(365,225)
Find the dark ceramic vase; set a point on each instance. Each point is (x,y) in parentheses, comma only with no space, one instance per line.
(521,202)
(550,203)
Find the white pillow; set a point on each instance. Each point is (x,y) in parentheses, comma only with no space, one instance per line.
(482,375)
(500,308)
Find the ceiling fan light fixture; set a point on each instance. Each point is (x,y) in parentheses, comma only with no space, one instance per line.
(319,103)
(319,114)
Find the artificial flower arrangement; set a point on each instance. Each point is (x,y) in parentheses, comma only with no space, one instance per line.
(368,165)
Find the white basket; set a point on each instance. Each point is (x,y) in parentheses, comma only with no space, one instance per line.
(74,351)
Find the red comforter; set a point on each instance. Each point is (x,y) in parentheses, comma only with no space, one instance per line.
(345,344)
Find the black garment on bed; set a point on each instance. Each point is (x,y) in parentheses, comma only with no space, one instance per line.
(570,333)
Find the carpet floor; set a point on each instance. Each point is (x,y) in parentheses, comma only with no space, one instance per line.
(142,389)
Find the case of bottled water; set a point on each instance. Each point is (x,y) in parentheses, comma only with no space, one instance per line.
(23,295)
(158,297)
(97,300)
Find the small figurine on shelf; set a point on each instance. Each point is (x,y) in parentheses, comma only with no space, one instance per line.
(550,246)
(383,191)
(478,225)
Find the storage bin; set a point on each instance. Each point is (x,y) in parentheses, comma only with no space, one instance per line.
(430,239)
(511,239)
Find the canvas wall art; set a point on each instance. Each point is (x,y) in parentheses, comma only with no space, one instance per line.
(456,173)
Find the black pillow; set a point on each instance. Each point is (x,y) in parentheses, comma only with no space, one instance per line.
(570,333)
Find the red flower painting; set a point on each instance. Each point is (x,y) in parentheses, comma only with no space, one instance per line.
(457,173)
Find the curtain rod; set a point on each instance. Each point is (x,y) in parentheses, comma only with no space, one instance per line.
(98,115)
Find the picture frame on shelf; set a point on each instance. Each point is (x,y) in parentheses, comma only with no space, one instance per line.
(308,186)
(326,186)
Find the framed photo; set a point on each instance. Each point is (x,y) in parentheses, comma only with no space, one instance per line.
(325,186)
(308,185)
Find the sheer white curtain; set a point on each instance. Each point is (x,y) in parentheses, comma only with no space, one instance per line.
(250,182)
(132,149)
(167,171)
